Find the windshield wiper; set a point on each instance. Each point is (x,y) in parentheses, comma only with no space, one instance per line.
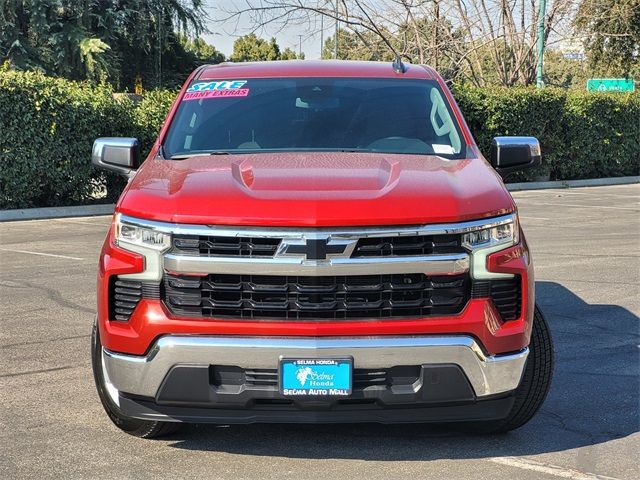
(182,156)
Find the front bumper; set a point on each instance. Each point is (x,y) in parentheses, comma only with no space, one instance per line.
(174,382)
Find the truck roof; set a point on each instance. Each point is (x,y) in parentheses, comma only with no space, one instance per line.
(311,68)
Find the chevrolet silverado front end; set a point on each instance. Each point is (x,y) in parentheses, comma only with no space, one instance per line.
(317,242)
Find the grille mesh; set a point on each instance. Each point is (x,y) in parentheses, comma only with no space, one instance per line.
(317,298)
(208,246)
(414,245)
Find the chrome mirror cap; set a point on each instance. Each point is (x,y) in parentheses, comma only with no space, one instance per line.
(120,155)
(509,154)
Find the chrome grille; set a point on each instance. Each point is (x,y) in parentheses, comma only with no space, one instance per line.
(266,247)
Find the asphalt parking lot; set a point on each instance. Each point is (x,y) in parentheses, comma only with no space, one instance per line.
(586,245)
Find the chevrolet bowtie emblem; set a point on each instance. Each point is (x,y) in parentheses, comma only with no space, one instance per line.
(316,248)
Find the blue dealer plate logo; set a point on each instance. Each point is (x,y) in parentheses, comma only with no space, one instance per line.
(315,377)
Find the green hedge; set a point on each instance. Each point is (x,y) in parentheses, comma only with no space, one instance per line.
(47,127)
(582,135)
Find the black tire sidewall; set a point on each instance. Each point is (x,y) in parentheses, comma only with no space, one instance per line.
(130,425)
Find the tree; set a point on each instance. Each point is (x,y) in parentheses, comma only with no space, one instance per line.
(114,40)
(478,41)
(611,32)
(357,45)
(201,50)
(288,54)
(251,48)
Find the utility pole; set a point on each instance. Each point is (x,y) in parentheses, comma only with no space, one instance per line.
(335,49)
(300,45)
(159,46)
(321,34)
(540,72)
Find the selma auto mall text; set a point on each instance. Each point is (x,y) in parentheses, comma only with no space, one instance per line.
(315,391)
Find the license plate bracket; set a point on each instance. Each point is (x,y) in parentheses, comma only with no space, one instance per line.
(316,377)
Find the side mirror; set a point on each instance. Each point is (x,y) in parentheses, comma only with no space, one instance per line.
(121,155)
(509,154)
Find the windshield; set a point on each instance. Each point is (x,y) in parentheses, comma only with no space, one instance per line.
(314,114)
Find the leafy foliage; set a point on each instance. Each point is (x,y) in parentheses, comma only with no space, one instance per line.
(582,135)
(149,116)
(203,52)
(99,40)
(612,35)
(604,130)
(251,48)
(48,126)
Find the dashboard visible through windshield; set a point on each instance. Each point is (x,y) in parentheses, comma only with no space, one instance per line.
(314,114)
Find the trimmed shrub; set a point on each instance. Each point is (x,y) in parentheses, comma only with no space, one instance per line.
(602,134)
(47,128)
(582,134)
(516,111)
(48,125)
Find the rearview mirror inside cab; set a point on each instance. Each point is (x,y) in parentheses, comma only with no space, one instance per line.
(509,154)
(121,155)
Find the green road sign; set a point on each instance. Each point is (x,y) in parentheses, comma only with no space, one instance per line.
(610,85)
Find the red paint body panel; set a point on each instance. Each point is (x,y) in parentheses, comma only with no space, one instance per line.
(315,189)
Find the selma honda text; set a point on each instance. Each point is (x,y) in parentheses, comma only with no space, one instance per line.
(317,242)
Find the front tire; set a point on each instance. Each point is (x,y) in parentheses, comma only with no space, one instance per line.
(133,426)
(534,385)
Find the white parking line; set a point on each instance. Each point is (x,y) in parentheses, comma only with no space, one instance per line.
(532,465)
(42,254)
(560,204)
(80,222)
(527,217)
(601,194)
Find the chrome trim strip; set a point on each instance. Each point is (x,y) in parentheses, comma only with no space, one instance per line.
(143,375)
(429,265)
(311,232)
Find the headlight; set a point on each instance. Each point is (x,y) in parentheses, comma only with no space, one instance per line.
(130,234)
(485,241)
(504,234)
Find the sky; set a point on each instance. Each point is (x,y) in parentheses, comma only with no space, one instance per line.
(225,32)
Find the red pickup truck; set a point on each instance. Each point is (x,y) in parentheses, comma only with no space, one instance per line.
(317,241)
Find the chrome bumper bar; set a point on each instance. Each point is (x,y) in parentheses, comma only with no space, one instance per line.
(429,265)
(143,375)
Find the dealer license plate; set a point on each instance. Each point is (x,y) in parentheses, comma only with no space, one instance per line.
(317,377)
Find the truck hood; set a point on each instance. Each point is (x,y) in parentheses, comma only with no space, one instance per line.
(315,189)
